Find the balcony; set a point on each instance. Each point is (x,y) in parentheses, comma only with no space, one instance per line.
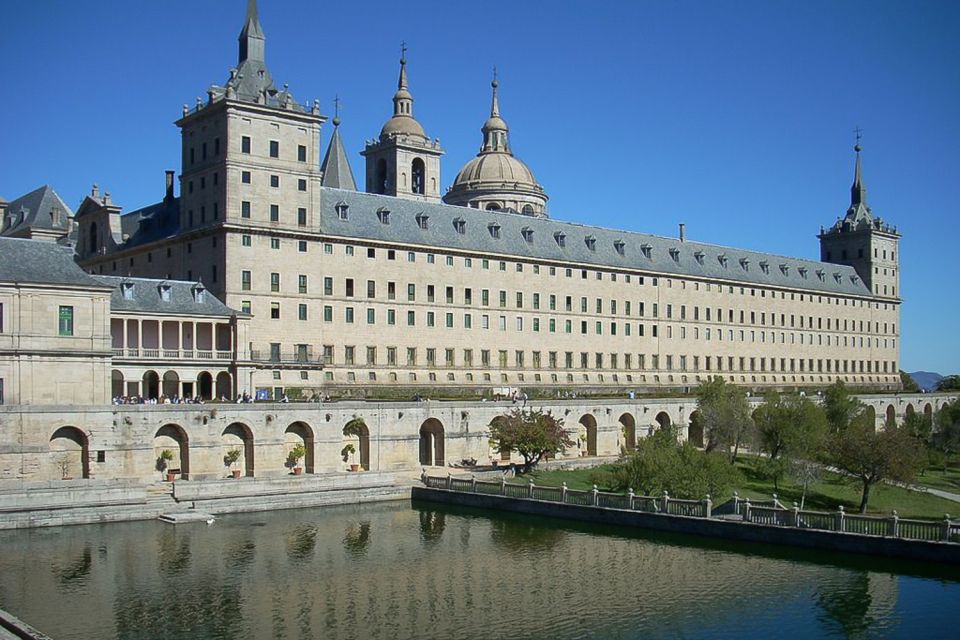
(286,357)
(172,354)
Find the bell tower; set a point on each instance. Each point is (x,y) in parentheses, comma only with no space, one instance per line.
(864,241)
(403,162)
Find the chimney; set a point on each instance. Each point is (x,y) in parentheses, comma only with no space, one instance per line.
(683,232)
(169,195)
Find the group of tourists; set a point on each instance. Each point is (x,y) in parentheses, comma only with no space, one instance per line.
(117,400)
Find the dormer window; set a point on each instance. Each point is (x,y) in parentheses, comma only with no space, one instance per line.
(745,264)
(722,259)
(838,277)
(698,256)
(803,272)
(854,279)
(591,242)
(764,266)
(561,238)
(460,225)
(620,246)
(126,290)
(164,289)
(422,219)
(199,293)
(675,254)
(494,229)
(647,251)
(527,233)
(383,214)
(342,209)
(820,275)
(785,269)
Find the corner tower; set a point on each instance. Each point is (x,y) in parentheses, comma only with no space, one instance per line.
(404,162)
(496,180)
(864,242)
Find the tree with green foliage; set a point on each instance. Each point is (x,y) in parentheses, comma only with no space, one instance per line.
(872,457)
(842,409)
(788,428)
(949,383)
(908,383)
(661,464)
(946,437)
(532,433)
(726,416)
(918,425)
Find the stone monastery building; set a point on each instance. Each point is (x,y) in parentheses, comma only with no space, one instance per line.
(406,286)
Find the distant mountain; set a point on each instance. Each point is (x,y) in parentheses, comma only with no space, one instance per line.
(926,380)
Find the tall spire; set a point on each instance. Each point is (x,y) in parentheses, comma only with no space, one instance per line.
(858,192)
(402,99)
(336,166)
(495,129)
(251,36)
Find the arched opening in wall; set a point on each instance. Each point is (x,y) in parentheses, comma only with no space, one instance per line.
(239,436)
(171,384)
(224,386)
(431,443)
(205,385)
(695,429)
(300,433)
(380,177)
(628,425)
(870,417)
(418,176)
(358,428)
(590,424)
(527,210)
(909,413)
(70,453)
(150,388)
(173,438)
(890,422)
(503,451)
(663,420)
(493,206)
(928,412)
(117,387)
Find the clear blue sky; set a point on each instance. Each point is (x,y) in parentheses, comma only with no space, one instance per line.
(733,117)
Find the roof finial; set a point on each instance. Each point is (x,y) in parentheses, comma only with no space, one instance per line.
(251,36)
(336,111)
(402,83)
(495,104)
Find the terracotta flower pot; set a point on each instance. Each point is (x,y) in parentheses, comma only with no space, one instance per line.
(354,467)
(297,471)
(171,477)
(236,474)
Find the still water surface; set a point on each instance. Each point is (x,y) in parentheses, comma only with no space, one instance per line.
(392,571)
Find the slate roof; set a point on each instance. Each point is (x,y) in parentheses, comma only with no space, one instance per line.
(145,297)
(39,262)
(151,223)
(611,249)
(33,211)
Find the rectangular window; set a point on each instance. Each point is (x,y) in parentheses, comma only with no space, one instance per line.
(348,315)
(66,321)
(274,310)
(274,243)
(245,306)
(302,246)
(245,240)
(411,318)
(245,281)
(274,213)
(302,153)
(245,209)
(275,282)
(411,356)
(302,283)
(302,216)
(327,313)
(302,312)
(274,149)
(275,181)
(245,144)
(371,316)
(411,292)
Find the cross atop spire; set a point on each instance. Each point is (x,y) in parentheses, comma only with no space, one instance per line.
(858,191)
(402,82)
(336,111)
(495,104)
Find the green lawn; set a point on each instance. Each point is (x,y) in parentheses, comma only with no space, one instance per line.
(831,491)
(938,479)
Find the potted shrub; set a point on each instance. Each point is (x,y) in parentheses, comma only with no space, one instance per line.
(63,464)
(163,464)
(358,428)
(347,454)
(230,459)
(295,456)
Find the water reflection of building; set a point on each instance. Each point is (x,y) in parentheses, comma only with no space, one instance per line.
(390,571)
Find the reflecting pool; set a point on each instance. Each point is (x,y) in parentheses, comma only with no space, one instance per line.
(394,571)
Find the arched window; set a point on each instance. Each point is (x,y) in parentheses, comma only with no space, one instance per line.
(493,206)
(527,210)
(380,185)
(418,176)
